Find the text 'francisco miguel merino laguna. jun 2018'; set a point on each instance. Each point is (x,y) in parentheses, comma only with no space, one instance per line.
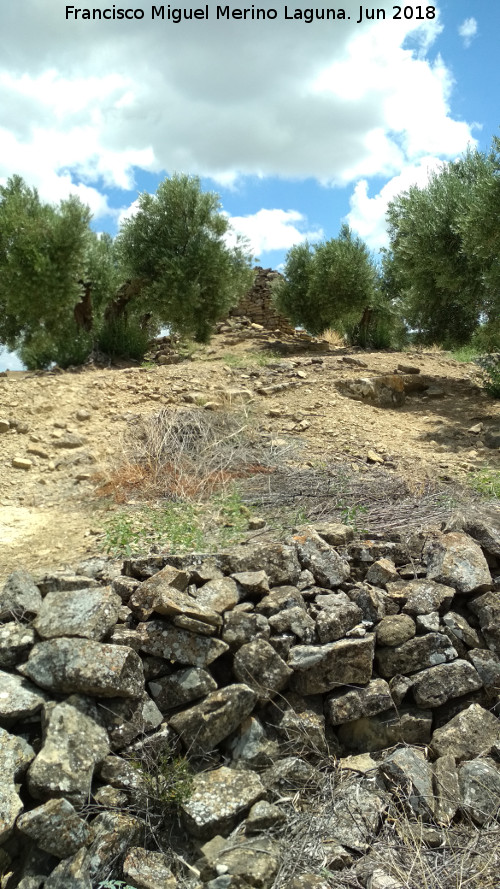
(176,15)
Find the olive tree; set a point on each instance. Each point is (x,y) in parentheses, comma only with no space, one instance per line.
(329,284)
(176,253)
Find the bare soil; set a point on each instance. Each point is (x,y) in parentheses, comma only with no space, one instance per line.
(71,426)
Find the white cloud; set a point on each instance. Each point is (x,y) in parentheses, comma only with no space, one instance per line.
(274,229)
(468,30)
(367,214)
(336,101)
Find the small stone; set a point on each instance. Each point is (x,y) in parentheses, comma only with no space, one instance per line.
(348,705)
(21,463)
(395,629)
(148,869)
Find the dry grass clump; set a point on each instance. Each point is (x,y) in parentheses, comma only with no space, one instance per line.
(187,454)
(333,338)
(413,854)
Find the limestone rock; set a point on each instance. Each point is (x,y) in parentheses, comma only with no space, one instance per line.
(278,561)
(437,685)
(91,613)
(280,599)
(328,568)
(334,533)
(240,628)
(218,595)
(55,827)
(219,800)
(424,596)
(457,561)
(253,584)
(416,654)
(354,703)
(72,872)
(173,644)
(259,666)
(250,746)
(203,726)
(290,773)
(254,860)
(16,640)
(373,603)
(338,617)
(294,620)
(86,667)
(126,718)
(487,608)
(263,815)
(147,869)
(73,744)
(382,730)
(395,629)
(18,697)
(112,834)
(381,572)
(487,664)
(407,768)
(322,668)
(470,733)
(446,789)
(15,757)
(181,688)
(20,597)
(479,782)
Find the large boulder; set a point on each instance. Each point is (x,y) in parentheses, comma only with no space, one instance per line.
(456,560)
(85,667)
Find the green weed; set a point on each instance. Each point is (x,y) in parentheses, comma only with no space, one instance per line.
(487,483)
(465,353)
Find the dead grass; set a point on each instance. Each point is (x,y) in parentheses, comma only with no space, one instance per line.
(187,454)
(333,338)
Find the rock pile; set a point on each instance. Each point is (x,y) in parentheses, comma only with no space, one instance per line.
(258,665)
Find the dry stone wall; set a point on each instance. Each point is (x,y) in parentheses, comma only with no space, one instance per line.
(257,304)
(257,665)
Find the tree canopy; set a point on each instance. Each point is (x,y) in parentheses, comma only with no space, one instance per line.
(443,257)
(176,247)
(328,284)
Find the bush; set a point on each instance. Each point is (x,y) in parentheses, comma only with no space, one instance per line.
(41,351)
(123,338)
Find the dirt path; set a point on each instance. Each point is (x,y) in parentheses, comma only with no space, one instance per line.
(70,427)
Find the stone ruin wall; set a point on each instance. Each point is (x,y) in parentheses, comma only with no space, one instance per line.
(257,304)
(264,659)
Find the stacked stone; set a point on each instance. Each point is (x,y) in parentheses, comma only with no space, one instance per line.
(325,644)
(257,304)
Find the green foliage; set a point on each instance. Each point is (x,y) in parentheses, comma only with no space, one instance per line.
(490,365)
(176,525)
(175,246)
(123,337)
(41,350)
(443,261)
(168,780)
(42,263)
(327,285)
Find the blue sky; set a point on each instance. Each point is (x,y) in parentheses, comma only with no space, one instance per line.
(297,126)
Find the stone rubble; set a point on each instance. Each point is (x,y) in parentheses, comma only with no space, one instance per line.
(255,666)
